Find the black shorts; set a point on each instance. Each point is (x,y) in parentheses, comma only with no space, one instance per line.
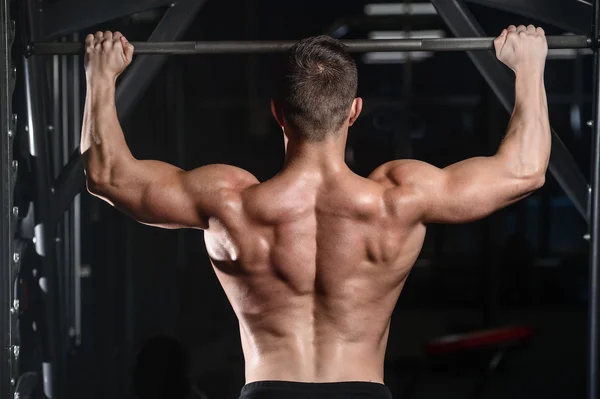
(310,390)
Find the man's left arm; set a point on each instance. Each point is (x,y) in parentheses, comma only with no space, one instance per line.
(151,192)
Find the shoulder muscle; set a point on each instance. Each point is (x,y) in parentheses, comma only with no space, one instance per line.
(217,187)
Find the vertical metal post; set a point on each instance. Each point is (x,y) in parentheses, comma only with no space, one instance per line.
(56,120)
(6,178)
(594,273)
(63,229)
(36,125)
(54,352)
(76,232)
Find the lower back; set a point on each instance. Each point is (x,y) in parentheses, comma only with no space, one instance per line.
(336,330)
(311,351)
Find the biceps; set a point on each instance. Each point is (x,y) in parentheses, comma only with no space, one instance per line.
(473,189)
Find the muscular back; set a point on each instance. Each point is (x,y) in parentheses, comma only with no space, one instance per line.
(313,267)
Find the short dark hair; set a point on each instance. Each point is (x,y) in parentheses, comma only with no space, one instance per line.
(316,85)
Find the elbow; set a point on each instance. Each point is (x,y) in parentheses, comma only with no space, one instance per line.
(539,181)
(530,177)
(97,181)
(533,182)
(94,188)
(102,177)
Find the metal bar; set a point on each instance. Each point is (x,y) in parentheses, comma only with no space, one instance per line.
(594,272)
(6,176)
(562,164)
(263,47)
(56,116)
(572,16)
(56,19)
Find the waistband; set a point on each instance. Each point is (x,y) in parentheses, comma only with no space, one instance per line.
(346,387)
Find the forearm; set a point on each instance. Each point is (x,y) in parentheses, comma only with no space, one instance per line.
(526,147)
(103,144)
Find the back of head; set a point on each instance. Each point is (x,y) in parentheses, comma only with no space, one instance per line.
(316,86)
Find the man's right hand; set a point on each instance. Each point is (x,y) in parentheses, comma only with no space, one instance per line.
(107,55)
(522,48)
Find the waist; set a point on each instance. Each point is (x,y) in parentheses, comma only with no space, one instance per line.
(319,358)
(317,390)
(354,371)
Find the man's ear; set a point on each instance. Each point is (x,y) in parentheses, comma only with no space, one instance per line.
(357,105)
(276,114)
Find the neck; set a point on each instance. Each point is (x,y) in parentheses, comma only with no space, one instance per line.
(323,156)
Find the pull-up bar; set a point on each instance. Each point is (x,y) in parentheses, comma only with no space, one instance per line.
(263,47)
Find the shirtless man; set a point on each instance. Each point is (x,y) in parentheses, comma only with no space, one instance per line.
(314,259)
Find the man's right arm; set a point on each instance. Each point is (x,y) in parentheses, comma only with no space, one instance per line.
(474,188)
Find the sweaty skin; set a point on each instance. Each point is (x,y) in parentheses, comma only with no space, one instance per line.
(314,259)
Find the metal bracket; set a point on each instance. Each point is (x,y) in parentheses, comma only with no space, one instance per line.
(18,250)
(28,50)
(13,169)
(27,225)
(13,125)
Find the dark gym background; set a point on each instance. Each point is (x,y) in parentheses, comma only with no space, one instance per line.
(526,265)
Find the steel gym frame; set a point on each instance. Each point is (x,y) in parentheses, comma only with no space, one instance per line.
(40,23)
